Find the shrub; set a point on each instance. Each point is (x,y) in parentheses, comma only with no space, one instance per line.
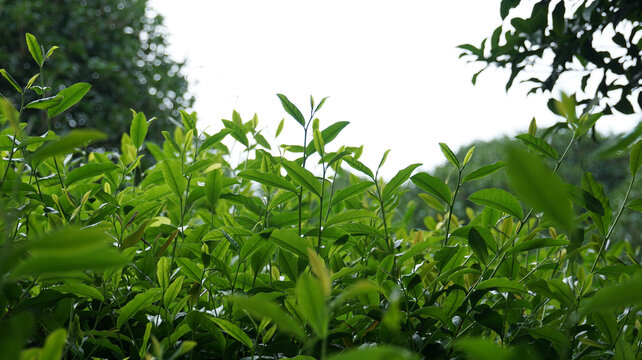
(265,259)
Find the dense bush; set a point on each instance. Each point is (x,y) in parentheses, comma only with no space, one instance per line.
(118,46)
(197,258)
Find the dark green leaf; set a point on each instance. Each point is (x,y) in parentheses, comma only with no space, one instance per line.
(478,245)
(398,180)
(538,145)
(302,176)
(433,186)
(87,171)
(268,179)
(290,241)
(138,303)
(234,331)
(502,284)
(636,157)
(68,143)
(483,171)
(449,155)
(498,199)
(44,103)
(291,109)
(538,244)
(263,309)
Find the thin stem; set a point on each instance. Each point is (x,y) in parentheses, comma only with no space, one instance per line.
(615,221)
(450,207)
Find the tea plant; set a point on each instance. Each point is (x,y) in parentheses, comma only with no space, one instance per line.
(288,255)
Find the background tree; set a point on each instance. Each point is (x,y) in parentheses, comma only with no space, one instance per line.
(116,45)
(607,166)
(599,40)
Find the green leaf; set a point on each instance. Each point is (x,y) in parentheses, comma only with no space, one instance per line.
(624,294)
(449,155)
(10,79)
(350,191)
(502,284)
(328,134)
(453,301)
(279,128)
(70,96)
(636,157)
(381,352)
(478,245)
(291,109)
(68,143)
(89,170)
(288,240)
(550,333)
(350,215)
(310,298)
(302,176)
(138,303)
(172,291)
(264,309)
(433,186)
(162,272)
(538,244)
(34,48)
(485,349)
(138,129)
(268,179)
(213,187)
(357,165)
(469,155)
(398,180)
(187,119)
(54,345)
(538,145)
(498,199)
(136,236)
(51,51)
(540,187)
(44,103)
(174,177)
(635,204)
(70,249)
(234,331)
(483,171)
(80,290)
(213,139)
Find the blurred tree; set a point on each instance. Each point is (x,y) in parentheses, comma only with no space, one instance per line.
(116,45)
(585,155)
(599,40)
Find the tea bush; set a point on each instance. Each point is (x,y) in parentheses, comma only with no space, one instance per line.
(197,258)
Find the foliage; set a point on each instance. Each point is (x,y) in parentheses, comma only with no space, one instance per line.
(273,258)
(117,46)
(586,155)
(581,37)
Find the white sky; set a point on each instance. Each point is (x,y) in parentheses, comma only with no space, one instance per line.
(391,68)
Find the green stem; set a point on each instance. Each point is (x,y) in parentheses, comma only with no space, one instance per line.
(451,206)
(612,227)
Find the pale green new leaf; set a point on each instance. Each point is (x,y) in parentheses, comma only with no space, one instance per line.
(70,96)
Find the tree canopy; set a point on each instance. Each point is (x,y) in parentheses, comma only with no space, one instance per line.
(118,46)
(598,40)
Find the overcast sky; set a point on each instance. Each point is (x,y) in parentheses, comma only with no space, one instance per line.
(391,68)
